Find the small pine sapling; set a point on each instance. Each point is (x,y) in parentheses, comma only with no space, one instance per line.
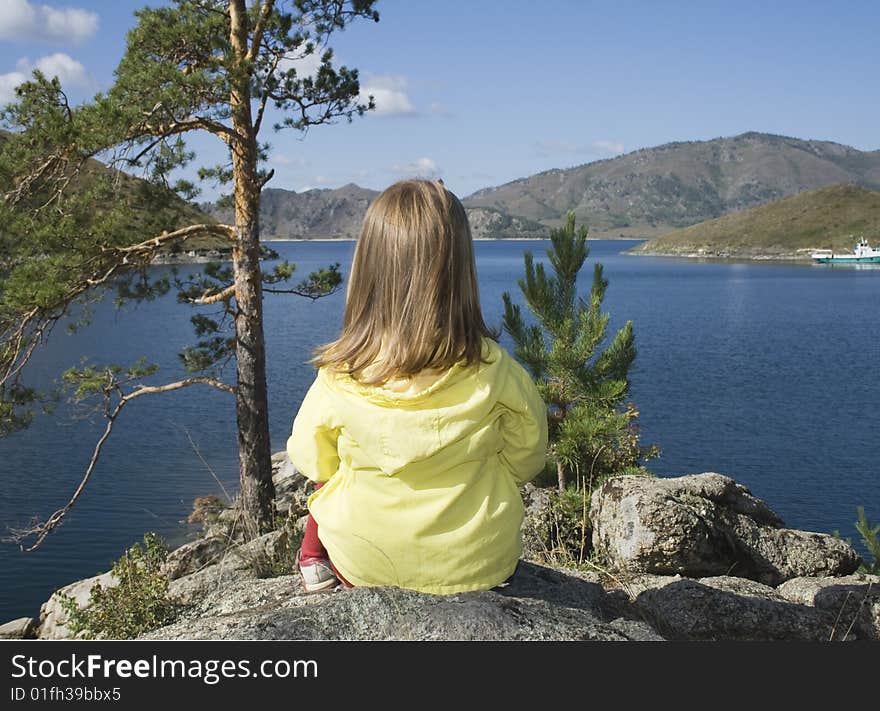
(592,432)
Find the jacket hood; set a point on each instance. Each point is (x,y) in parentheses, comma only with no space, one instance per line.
(395,429)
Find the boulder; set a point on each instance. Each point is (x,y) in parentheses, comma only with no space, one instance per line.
(193,556)
(192,588)
(269,545)
(676,544)
(197,570)
(854,600)
(537,604)
(53,618)
(236,564)
(773,555)
(706,525)
(22,628)
(728,608)
(292,489)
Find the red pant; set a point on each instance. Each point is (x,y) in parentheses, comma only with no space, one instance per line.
(313,548)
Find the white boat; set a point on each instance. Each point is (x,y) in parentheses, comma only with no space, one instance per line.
(862,254)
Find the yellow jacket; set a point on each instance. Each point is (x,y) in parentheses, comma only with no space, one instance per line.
(422,485)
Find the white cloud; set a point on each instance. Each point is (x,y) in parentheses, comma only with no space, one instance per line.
(24,20)
(63,66)
(66,68)
(421,168)
(8,82)
(389,94)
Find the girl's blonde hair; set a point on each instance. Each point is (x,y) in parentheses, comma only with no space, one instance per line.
(412,301)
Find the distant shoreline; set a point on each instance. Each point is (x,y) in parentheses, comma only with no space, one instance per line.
(762,257)
(184,258)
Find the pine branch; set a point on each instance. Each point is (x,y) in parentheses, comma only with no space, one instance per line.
(211,297)
(305,292)
(155,125)
(40,530)
(616,359)
(22,337)
(264,99)
(256,42)
(150,246)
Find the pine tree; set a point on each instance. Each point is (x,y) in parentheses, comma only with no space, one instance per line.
(591,432)
(71,232)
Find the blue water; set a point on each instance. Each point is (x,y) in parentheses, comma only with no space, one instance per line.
(764,372)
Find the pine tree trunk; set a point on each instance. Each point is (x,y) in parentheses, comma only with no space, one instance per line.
(257,492)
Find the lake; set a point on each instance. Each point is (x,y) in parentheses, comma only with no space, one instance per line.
(765,372)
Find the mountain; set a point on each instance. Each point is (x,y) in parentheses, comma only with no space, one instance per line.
(311,214)
(338,213)
(651,191)
(645,193)
(790,228)
(315,213)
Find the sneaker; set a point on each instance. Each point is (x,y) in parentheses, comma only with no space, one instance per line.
(317,574)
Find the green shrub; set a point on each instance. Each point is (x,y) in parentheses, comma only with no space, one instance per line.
(138,604)
(568,531)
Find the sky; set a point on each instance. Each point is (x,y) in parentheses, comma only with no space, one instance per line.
(481,92)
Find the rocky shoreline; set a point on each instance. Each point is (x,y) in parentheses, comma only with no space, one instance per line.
(204,256)
(695,557)
(193,256)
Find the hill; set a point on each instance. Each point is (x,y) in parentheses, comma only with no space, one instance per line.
(338,213)
(654,190)
(142,197)
(146,221)
(791,228)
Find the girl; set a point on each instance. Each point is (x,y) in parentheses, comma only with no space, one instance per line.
(419,428)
